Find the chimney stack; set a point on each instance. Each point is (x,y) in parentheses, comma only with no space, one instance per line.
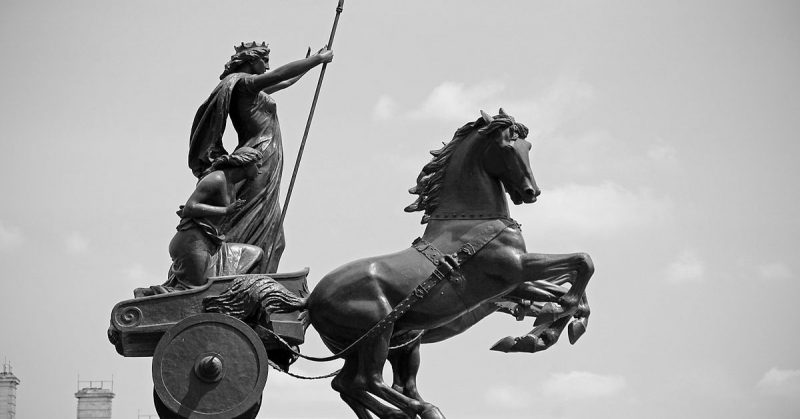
(94,401)
(8,393)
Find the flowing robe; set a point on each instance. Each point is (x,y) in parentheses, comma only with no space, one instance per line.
(254,116)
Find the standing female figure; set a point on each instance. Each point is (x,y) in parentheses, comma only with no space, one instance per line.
(244,95)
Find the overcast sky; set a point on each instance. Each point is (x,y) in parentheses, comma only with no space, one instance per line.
(665,141)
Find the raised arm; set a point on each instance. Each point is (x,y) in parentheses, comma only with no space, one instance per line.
(286,75)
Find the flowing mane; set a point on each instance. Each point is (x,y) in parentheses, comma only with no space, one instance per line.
(430,178)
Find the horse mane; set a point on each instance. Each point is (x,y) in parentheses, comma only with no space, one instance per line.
(430,179)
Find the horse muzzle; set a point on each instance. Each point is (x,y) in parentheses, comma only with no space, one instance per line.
(524,196)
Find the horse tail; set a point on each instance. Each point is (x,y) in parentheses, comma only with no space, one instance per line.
(251,294)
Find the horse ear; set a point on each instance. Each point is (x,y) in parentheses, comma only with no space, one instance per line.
(502,112)
(486,117)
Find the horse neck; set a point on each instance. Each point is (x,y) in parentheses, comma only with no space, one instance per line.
(467,190)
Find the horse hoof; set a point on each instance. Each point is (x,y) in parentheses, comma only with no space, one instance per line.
(576,329)
(530,344)
(527,343)
(549,313)
(432,412)
(504,344)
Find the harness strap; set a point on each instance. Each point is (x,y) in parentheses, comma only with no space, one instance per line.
(475,240)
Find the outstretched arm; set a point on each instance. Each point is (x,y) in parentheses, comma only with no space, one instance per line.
(282,85)
(286,83)
(286,75)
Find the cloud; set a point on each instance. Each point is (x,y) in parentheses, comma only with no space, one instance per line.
(777,382)
(662,152)
(582,385)
(137,274)
(76,243)
(774,271)
(687,267)
(563,100)
(603,210)
(452,101)
(507,396)
(10,236)
(597,153)
(457,101)
(386,108)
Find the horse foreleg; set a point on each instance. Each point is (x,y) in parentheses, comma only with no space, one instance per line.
(575,266)
(528,298)
(546,276)
(542,290)
(545,335)
(580,322)
(537,340)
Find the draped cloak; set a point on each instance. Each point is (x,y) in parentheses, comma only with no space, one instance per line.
(254,115)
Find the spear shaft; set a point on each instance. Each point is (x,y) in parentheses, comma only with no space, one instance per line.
(339,9)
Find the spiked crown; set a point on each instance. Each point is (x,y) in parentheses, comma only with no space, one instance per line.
(250,45)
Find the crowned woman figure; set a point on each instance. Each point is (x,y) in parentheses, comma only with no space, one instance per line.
(243,94)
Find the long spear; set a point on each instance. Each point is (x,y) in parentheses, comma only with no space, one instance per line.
(339,9)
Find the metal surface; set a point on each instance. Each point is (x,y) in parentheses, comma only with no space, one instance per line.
(137,325)
(470,177)
(210,366)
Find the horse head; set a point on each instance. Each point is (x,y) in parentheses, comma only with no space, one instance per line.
(467,177)
(506,157)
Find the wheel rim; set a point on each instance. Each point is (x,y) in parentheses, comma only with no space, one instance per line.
(210,366)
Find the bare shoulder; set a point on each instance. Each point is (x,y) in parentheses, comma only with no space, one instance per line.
(212,181)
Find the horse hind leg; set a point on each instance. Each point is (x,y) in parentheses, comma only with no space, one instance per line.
(359,409)
(351,386)
(372,359)
(405,366)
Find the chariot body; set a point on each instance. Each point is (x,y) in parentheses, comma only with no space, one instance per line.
(208,365)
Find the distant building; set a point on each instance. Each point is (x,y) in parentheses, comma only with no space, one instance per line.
(8,393)
(95,402)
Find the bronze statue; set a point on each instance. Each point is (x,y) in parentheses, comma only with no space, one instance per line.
(244,95)
(231,315)
(470,262)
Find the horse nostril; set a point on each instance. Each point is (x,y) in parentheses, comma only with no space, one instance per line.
(531,192)
(537,192)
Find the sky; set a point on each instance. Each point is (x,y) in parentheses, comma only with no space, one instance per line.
(664,140)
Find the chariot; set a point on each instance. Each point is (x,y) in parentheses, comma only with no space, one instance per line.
(208,365)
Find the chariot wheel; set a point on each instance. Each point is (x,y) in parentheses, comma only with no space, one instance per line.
(209,366)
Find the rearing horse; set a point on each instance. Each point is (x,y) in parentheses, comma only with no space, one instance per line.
(461,192)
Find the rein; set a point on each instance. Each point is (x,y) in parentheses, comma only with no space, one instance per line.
(445,265)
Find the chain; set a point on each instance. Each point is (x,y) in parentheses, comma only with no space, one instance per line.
(302,377)
(333,374)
